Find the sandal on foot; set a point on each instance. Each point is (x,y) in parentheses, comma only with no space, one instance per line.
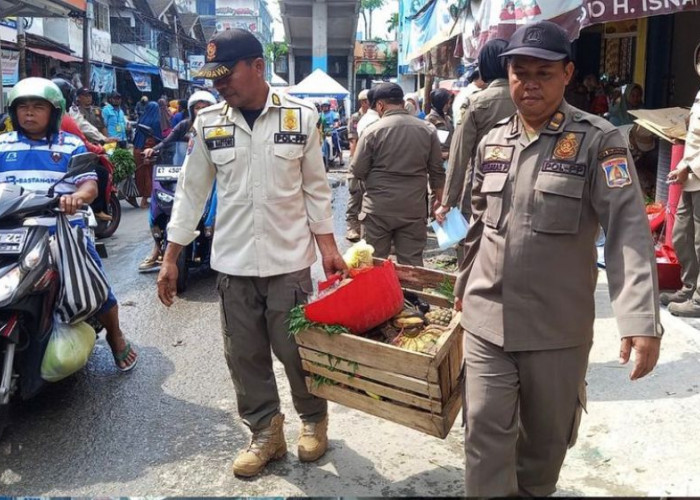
(149,263)
(122,356)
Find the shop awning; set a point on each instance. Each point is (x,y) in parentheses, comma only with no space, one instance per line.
(143,68)
(41,8)
(55,55)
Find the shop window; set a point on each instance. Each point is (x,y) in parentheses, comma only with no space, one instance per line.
(101,16)
(618,50)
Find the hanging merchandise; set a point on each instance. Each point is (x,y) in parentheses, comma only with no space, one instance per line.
(142,81)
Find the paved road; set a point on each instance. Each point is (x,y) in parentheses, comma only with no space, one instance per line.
(170,427)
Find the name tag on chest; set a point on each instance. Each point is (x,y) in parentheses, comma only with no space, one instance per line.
(290,138)
(219,137)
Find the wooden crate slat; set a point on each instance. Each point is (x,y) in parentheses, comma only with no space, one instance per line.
(370,352)
(446,341)
(380,390)
(415,419)
(393,379)
(419,277)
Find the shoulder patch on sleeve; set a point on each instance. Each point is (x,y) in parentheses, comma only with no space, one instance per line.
(610,152)
(616,170)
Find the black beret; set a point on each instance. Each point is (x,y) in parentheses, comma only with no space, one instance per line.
(387,90)
(543,40)
(225,49)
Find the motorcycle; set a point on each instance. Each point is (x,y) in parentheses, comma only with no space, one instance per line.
(331,152)
(105,229)
(29,285)
(166,171)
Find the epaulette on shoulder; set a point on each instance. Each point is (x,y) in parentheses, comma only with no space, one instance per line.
(300,101)
(504,121)
(214,108)
(597,121)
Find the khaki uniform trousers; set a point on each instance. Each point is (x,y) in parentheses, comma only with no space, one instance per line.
(686,241)
(522,412)
(356,191)
(254,314)
(408,235)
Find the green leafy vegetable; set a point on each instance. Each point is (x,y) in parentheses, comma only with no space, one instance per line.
(298,322)
(124,164)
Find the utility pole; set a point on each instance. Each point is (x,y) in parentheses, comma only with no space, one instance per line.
(86,45)
(22,46)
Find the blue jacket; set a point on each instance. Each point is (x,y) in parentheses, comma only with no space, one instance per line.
(115,121)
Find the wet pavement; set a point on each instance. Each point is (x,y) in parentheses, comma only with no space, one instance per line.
(170,427)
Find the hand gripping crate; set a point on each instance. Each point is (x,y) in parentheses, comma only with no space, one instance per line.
(420,391)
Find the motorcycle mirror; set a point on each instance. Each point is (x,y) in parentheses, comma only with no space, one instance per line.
(79,164)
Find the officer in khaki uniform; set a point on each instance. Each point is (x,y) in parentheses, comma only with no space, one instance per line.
(480,112)
(395,159)
(686,231)
(354,187)
(545,179)
(274,202)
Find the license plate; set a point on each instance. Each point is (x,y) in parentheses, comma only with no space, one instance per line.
(12,241)
(167,173)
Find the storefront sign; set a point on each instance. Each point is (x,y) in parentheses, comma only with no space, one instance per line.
(169,78)
(236,8)
(195,62)
(10,67)
(101,46)
(424,24)
(142,81)
(102,80)
(250,24)
(8,29)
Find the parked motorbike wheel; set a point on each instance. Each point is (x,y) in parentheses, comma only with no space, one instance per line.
(182,272)
(106,229)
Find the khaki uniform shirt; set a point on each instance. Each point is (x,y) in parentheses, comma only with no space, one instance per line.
(92,133)
(529,276)
(394,157)
(691,157)
(352,124)
(273,194)
(481,112)
(367,119)
(443,124)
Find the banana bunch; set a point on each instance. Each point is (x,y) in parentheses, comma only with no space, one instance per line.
(408,319)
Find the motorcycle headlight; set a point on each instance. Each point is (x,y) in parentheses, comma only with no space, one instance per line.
(9,283)
(164,197)
(33,258)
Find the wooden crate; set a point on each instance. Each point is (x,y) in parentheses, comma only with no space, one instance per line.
(421,391)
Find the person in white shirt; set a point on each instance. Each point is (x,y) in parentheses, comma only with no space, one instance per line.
(274,207)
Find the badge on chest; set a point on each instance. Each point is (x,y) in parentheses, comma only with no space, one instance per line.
(497,158)
(290,127)
(219,137)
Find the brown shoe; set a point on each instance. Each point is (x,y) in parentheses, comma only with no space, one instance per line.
(667,298)
(313,440)
(687,309)
(103,216)
(265,445)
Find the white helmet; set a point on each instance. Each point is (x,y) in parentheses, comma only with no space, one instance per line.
(200,95)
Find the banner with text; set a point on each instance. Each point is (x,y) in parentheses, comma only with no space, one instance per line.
(141,80)
(102,80)
(10,67)
(169,78)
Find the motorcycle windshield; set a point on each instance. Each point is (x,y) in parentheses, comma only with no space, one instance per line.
(15,201)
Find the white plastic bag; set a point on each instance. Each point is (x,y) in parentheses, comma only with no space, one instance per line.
(452,231)
(68,350)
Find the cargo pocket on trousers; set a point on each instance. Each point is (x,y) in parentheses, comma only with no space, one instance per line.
(221,287)
(557,204)
(492,186)
(580,408)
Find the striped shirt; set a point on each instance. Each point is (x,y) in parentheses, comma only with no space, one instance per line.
(37,164)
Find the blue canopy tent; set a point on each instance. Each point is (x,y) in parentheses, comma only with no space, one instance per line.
(319,84)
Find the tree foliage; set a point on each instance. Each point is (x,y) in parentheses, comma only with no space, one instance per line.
(368,7)
(275,50)
(392,23)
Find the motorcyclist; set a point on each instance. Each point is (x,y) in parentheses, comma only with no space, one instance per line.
(332,122)
(181,133)
(35,156)
(68,124)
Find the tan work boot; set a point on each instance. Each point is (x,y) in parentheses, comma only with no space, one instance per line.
(687,309)
(681,296)
(313,440)
(265,445)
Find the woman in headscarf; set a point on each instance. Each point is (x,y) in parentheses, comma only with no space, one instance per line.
(632,98)
(151,117)
(165,117)
(441,107)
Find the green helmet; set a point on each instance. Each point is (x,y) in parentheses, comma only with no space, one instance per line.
(38,88)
